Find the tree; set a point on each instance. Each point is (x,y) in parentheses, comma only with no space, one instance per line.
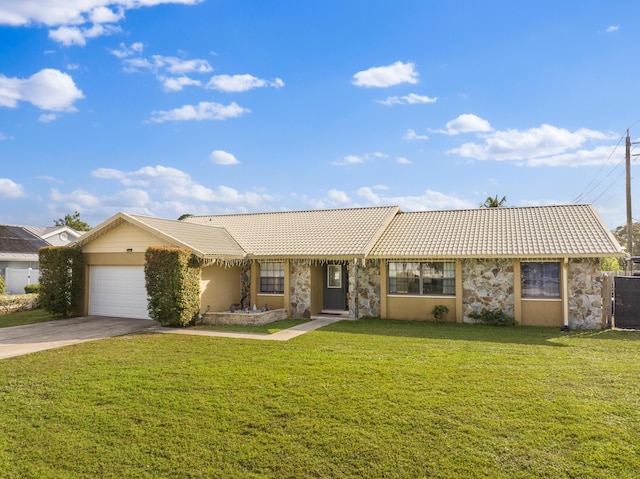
(493,202)
(621,235)
(73,222)
(185,215)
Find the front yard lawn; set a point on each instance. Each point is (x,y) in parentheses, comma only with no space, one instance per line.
(25,317)
(356,399)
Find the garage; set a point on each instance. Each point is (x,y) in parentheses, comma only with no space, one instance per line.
(118,291)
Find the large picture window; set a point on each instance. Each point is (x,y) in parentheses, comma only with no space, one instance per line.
(272,278)
(435,278)
(540,280)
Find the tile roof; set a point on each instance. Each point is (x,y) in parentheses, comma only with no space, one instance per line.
(205,241)
(529,232)
(336,234)
(18,239)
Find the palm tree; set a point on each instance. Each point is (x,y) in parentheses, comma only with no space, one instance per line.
(493,202)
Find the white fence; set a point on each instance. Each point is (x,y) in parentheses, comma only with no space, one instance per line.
(17,279)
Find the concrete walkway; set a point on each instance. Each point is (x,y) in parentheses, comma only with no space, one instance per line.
(284,335)
(20,340)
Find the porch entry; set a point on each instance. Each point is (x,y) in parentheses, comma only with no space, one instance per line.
(335,286)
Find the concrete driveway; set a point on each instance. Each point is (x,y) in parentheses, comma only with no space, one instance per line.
(19,340)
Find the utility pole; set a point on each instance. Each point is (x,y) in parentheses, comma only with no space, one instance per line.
(629,215)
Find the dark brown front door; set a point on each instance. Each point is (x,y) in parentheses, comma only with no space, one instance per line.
(336,285)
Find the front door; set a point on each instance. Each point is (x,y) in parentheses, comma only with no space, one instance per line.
(336,285)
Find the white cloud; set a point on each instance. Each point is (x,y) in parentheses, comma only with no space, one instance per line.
(387,76)
(68,36)
(412,135)
(199,112)
(410,99)
(356,159)
(338,197)
(106,15)
(73,16)
(545,145)
(161,63)
(178,83)
(239,83)
(48,90)
(10,189)
(466,123)
(612,28)
(220,157)
(47,117)
(173,184)
(430,200)
(4,137)
(403,161)
(127,51)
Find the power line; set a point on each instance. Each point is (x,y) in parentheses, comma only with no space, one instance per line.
(586,191)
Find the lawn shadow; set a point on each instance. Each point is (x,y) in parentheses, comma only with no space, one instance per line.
(453,331)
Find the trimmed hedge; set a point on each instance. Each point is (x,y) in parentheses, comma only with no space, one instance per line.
(61,279)
(172,277)
(32,288)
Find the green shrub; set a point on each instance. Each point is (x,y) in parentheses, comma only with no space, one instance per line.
(32,288)
(439,311)
(61,279)
(172,277)
(3,285)
(495,317)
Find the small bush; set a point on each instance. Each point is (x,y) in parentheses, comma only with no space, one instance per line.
(32,288)
(495,317)
(3,285)
(439,311)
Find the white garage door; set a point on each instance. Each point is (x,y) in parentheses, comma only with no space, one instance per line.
(118,291)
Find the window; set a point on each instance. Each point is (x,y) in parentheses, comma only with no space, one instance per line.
(540,280)
(435,278)
(334,276)
(272,278)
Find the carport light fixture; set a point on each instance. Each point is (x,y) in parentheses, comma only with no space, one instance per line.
(129,250)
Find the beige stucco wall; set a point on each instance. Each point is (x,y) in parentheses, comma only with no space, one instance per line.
(540,312)
(122,238)
(419,307)
(220,287)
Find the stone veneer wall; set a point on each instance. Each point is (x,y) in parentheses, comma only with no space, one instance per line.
(300,287)
(487,284)
(368,289)
(585,293)
(245,275)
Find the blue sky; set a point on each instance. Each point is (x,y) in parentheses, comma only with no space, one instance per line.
(165,107)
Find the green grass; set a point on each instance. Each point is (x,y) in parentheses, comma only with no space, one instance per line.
(25,317)
(365,399)
(263,328)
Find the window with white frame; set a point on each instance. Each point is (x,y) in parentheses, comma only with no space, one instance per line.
(272,278)
(540,280)
(426,278)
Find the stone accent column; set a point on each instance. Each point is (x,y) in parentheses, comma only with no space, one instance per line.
(487,284)
(585,293)
(368,289)
(300,287)
(245,292)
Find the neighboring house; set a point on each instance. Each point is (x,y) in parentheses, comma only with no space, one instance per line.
(539,264)
(19,247)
